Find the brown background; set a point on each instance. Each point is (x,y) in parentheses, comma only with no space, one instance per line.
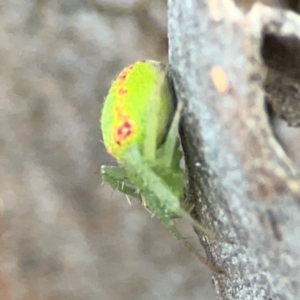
(64,235)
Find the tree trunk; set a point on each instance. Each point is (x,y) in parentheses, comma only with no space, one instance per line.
(224,61)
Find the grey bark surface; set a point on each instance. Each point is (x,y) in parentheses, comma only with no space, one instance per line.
(224,61)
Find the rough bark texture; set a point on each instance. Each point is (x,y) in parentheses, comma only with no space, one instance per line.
(244,184)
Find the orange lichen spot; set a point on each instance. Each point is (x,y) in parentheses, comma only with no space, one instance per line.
(293,185)
(215,9)
(122,91)
(219,79)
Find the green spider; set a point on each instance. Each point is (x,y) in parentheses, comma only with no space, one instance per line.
(140,129)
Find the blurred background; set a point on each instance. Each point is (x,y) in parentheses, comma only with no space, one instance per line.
(65,234)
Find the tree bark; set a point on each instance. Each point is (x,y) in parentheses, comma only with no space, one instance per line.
(224,61)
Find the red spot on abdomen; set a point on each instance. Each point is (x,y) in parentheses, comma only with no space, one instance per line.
(123,132)
(124,73)
(122,91)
